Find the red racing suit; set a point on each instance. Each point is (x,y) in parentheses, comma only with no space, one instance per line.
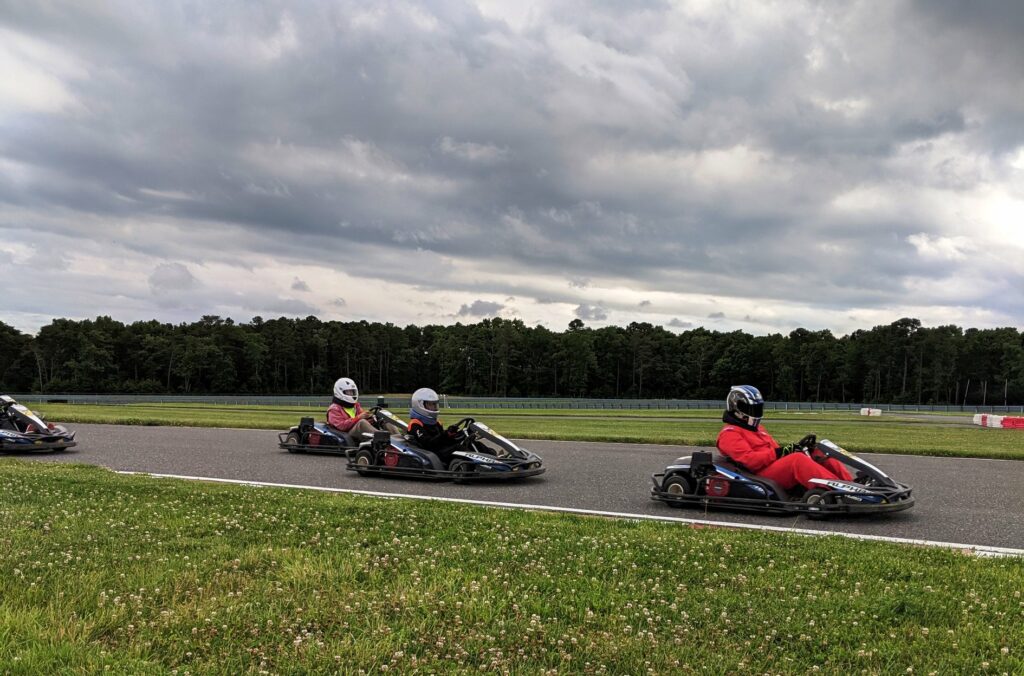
(342,417)
(755,451)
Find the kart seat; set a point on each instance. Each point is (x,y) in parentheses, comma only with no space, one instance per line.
(719,459)
(435,462)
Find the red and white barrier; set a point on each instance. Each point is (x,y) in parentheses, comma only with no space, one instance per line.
(1006,422)
(871,411)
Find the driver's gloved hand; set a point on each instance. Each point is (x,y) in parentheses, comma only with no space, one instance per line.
(808,443)
(453,430)
(781,451)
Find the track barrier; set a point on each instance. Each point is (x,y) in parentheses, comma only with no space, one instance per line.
(1006,422)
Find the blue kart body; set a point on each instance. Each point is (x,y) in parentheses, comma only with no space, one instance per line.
(712,480)
(482,454)
(310,436)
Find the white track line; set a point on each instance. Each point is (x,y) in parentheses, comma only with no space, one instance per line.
(980,550)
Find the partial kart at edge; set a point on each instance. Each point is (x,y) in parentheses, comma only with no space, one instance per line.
(712,480)
(23,431)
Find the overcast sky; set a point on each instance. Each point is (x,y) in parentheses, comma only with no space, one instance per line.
(736,165)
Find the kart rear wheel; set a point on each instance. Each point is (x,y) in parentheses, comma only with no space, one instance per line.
(294,439)
(364,458)
(677,485)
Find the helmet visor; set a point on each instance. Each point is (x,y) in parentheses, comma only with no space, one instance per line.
(753,410)
(349,392)
(430,405)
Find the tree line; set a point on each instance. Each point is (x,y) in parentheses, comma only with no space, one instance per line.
(901,363)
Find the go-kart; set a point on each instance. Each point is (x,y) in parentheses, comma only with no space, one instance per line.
(482,454)
(22,430)
(713,480)
(310,436)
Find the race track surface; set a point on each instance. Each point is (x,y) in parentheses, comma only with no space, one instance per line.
(968,501)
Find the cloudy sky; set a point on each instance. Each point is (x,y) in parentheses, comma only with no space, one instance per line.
(759,166)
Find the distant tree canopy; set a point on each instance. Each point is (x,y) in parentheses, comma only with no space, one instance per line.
(902,362)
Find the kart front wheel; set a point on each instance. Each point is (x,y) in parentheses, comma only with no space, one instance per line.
(363,459)
(677,486)
(817,498)
(460,467)
(292,440)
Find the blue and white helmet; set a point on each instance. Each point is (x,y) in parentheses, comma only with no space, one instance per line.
(424,405)
(745,403)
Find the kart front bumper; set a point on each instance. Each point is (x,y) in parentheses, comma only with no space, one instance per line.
(36,446)
(445,475)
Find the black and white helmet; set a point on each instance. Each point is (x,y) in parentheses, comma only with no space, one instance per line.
(424,404)
(745,403)
(345,389)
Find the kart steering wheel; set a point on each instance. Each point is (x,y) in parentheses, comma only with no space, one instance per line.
(808,443)
(464,423)
(462,429)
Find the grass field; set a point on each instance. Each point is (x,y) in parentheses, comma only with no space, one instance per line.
(140,575)
(903,433)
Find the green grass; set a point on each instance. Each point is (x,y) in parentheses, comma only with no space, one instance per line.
(140,575)
(888,434)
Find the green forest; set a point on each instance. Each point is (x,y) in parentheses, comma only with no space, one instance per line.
(900,363)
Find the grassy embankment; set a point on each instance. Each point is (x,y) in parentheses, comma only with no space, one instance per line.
(142,575)
(891,434)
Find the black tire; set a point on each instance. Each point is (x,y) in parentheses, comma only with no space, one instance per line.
(364,458)
(461,467)
(817,497)
(677,485)
(294,439)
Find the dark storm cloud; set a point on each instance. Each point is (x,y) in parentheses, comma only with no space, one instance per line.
(784,155)
(480,308)
(171,278)
(591,312)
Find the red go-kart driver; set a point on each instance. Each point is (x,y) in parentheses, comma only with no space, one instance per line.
(745,441)
(345,413)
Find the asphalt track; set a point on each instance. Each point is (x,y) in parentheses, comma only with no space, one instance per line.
(960,500)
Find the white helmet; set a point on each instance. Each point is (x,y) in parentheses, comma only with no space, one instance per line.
(424,403)
(345,389)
